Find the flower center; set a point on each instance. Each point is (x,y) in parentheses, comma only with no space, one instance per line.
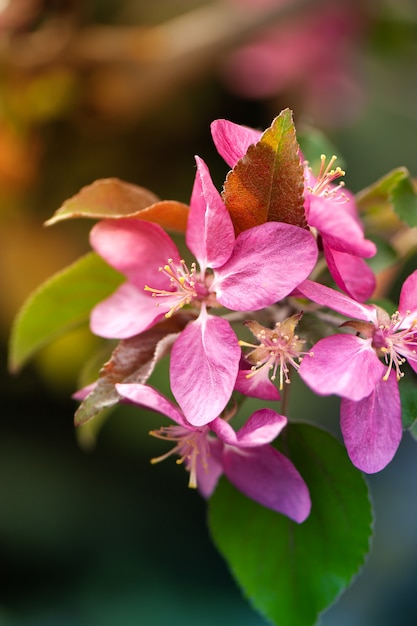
(396,344)
(278,348)
(324,186)
(183,288)
(192,447)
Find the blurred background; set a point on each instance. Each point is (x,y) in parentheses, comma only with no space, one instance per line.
(102,88)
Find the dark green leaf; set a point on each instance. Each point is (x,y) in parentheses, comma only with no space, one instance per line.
(292,572)
(408,394)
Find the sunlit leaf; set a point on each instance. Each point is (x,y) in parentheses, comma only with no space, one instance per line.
(290,572)
(111,198)
(389,200)
(404,198)
(267,184)
(60,304)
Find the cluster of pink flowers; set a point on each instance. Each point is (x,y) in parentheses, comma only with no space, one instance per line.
(263,272)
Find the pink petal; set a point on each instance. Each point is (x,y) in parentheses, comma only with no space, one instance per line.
(232,140)
(338,228)
(345,365)
(210,235)
(208,475)
(127,312)
(372,427)
(135,248)
(204,365)
(267,263)
(408,298)
(81,394)
(262,427)
(150,398)
(257,386)
(350,273)
(337,301)
(268,477)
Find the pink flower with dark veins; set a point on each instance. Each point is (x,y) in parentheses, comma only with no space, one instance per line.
(330,209)
(246,457)
(245,273)
(364,369)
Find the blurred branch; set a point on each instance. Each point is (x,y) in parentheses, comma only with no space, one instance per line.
(136,65)
(210,28)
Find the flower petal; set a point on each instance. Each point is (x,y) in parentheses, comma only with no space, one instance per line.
(150,398)
(372,427)
(338,228)
(135,248)
(267,263)
(262,427)
(337,301)
(232,140)
(204,365)
(350,273)
(256,386)
(208,475)
(210,234)
(408,299)
(268,477)
(345,365)
(127,312)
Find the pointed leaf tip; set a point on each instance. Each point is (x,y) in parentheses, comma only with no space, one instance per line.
(267,184)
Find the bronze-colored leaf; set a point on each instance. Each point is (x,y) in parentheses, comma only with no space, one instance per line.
(111,198)
(267,184)
(132,361)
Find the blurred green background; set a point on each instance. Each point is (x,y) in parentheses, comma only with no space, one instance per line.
(96,89)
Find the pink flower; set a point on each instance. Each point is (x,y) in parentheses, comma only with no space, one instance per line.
(277,349)
(256,269)
(350,366)
(330,211)
(245,457)
(311,55)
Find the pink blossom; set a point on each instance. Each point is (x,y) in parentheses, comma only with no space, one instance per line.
(311,55)
(278,348)
(351,367)
(245,457)
(330,209)
(258,268)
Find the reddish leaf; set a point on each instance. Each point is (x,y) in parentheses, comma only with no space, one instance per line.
(267,184)
(111,198)
(133,360)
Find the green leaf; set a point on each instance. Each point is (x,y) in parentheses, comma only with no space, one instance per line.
(404,199)
(408,394)
(385,257)
(390,198)
(60,304)
(290,572)
(267,184)
(313,144)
